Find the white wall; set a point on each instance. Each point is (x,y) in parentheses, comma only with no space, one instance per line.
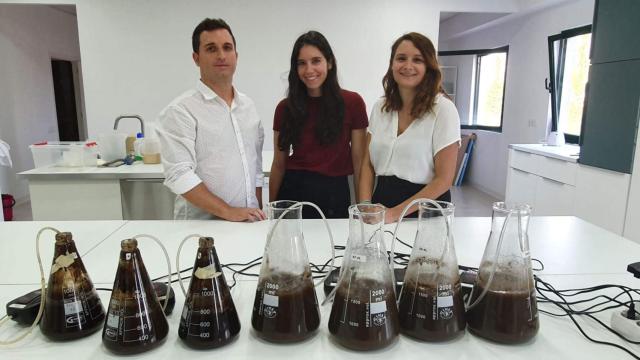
(464,82)
(632,225)
(526,99)
(29,37)
(137,56)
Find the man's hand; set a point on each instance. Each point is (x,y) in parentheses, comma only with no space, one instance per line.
(244,214)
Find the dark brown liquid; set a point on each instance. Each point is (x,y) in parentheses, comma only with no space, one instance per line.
(352,323)
(506,317)
(422,317)
(209,318)
(135,321)
(71,316)
(129,330)
(296,316)
(72,306)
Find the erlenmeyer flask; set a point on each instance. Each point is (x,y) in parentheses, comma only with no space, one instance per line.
(209,318)
(364,315)
(430,304)
(72,306)
(503,301)
(135,320)
(285,307)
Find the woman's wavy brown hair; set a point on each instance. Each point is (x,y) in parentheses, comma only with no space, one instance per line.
(428,88)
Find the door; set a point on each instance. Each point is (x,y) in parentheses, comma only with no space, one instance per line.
(64,91)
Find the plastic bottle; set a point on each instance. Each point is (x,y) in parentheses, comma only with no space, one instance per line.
(151,150)
(137,146)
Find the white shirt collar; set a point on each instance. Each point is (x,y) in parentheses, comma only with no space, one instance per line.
(209,94)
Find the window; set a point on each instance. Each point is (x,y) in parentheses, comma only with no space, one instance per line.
(569,71)
(481,86)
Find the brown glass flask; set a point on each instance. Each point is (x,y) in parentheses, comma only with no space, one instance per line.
(72,306)
(209,318)
(135,320)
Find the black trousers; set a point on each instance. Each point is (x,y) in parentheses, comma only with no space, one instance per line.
(330,193)
(391,191)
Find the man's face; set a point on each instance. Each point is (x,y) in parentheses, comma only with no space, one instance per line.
(217,56)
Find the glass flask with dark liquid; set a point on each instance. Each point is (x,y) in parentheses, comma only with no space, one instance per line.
(135,320)
(209,318)
(364,315)
(285,308)
(503,300)
(430,304)
(72,307)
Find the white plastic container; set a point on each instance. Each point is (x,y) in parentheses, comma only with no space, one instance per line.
(151,150)
(67,154)
(112,146)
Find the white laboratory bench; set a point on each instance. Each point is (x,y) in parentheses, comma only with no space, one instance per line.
(575,254)
(96,193)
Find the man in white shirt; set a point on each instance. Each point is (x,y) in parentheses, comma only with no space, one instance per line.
(212,137)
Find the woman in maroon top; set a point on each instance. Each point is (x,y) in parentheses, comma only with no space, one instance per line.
(319,132)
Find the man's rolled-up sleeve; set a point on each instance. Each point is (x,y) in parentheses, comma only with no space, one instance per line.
(177,133)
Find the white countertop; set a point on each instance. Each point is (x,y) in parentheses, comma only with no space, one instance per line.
(566,244)
(569,153)
(572,250)
(138,170)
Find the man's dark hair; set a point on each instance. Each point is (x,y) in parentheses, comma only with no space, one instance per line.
(209,25)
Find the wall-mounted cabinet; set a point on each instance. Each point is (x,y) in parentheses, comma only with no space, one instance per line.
(610,117)
(615,31)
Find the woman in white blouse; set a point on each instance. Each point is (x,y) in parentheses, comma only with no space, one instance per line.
(414,132)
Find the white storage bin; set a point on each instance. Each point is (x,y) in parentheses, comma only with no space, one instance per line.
(67,154)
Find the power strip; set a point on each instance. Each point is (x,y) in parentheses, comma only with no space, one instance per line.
(625,327)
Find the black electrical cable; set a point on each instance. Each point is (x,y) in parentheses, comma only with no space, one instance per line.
(625,291)
(543,287)
(243,272)
(400,241)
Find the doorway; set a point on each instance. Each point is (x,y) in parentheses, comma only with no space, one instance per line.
(65,99)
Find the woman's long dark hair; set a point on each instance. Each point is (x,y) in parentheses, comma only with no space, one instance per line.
(428,88)
(331,111)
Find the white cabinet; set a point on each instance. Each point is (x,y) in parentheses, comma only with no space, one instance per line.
(521,187)
(602,197)
(561,186)
(554,197)
(547,184)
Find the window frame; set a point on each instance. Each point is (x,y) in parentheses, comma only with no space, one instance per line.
(476,83)
(556,80)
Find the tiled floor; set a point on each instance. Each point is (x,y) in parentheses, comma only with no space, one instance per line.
(468,201)
(22,211)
